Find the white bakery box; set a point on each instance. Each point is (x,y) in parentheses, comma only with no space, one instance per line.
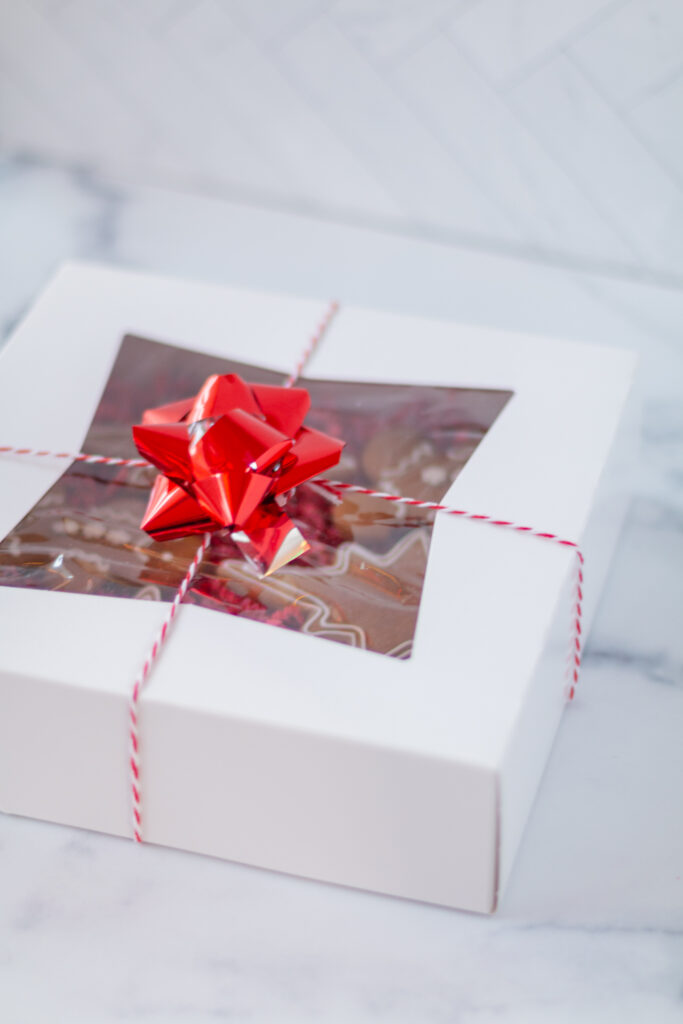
(269,747)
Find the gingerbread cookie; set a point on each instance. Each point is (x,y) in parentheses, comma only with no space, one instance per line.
(401,461)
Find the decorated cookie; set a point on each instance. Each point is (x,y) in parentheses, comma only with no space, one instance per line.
(401,461)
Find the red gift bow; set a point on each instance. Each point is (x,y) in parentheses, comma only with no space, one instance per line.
(228,459)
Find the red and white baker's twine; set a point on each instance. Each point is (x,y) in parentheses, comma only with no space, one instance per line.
(155,650)
(313,344)
(102,460)
(553,538)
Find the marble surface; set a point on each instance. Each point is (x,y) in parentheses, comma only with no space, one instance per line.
(591,926)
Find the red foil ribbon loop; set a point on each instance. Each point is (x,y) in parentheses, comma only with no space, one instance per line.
(228,458)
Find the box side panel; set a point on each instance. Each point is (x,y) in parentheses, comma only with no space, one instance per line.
(357,815)
(530,745)
(64,754)
(354,815)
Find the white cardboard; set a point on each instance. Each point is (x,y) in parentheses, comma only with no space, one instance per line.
(269,747)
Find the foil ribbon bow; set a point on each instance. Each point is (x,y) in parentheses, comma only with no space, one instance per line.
(228,460)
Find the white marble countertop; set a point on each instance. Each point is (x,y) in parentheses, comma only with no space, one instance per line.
(591,927)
